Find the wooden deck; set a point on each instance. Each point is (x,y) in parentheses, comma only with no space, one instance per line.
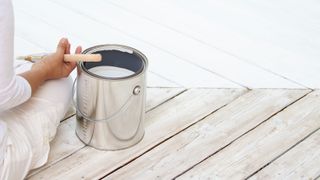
(204,133)
(232,86)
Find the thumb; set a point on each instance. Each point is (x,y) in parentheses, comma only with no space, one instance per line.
(62,46)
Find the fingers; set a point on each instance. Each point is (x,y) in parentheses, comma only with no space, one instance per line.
(72,65)
(62,46)
(78,50)
(68,48)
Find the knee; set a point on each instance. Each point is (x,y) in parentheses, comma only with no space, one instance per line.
(56,91)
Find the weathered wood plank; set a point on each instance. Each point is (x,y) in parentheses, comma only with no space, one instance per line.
(301,162)
(161,123)
(66,142)
(205,138)
(71,111)
(155,96)
(263,144)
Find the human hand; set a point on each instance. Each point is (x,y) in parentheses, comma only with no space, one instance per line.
(53,65)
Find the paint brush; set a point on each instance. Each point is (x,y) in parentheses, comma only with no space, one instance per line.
(67,57)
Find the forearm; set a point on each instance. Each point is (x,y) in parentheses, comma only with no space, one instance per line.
(36,77)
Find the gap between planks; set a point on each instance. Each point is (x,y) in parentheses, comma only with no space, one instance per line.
(155,97)
(155,146)
(279,167)
(265,143)
(242,135)
(266,103)
(90,163)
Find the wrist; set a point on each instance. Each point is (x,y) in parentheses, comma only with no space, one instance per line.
(41,70)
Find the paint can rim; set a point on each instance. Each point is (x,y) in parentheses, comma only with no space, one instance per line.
(116,47)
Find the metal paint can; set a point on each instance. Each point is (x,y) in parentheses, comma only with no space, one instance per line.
(110,110)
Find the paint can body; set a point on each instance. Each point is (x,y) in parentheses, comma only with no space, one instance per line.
(111,97)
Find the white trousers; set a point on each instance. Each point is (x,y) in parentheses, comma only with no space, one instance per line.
(26,130)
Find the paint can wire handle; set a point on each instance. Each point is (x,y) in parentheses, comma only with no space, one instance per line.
(123,108)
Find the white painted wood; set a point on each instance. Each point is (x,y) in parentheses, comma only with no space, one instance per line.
(263,144)
(175,43)
(301,162)
(40,34)
(282,37)
(66,142)
(160,124)
(154,80)
(23,47)
(198,142)
(72,24)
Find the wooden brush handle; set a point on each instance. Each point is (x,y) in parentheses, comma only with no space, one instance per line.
(82,57)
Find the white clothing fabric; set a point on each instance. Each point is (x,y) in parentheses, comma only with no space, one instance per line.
(27,124)
(14,89)
(26,130)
